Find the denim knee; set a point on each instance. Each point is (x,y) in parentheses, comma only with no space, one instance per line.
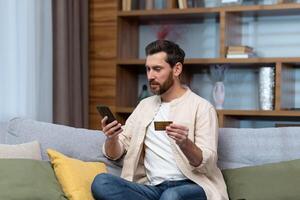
(170,195)
(99,185)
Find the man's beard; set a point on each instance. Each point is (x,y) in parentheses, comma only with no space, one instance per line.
(162,87)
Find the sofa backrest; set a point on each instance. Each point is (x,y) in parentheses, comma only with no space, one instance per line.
(77,143)
(3,131)
(240,147)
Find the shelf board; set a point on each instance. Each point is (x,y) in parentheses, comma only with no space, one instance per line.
(218,61)
(168,12)
(275,9)
(131,62)
(238,113)
(170,15)
(262,113)
(284,8)
(125,110)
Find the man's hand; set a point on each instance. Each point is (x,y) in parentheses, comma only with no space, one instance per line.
(112,146)
(112,129)
(179,133)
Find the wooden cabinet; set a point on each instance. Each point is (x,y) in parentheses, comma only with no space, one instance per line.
(230,25)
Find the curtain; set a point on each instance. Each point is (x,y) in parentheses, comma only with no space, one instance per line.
(70,62)
(26,59)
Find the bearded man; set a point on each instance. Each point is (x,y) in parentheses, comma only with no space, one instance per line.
(175,163)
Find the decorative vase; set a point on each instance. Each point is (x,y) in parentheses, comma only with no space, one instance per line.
(266,88)
(219,94)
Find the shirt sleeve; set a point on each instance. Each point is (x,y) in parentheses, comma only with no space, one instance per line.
(125,135)
(206,138)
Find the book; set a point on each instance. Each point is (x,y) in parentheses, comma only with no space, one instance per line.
(239,52)
(230,1)
(171,4)
(239,49)
(185,4)
(149,4)
(182,4)
(124,5)
(135,5)
(245,55)
(129,4)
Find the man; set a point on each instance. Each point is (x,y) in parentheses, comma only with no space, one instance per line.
(176,164)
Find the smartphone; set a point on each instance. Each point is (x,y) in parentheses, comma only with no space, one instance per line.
(105,111)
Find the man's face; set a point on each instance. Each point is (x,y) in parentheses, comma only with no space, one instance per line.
(159,73)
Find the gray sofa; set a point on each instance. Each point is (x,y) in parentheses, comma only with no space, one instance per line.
(77,143)
(238,148)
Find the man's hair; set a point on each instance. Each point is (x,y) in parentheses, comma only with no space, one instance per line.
(174,52)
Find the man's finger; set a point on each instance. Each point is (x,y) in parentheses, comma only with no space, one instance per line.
(103,122)
(115,134)
(113,129)
(177,126)
(179,131)
(110,125)
(178,136)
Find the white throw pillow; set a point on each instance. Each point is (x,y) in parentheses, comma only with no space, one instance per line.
(30,150)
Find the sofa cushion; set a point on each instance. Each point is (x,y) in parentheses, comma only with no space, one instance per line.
(77,143)
(75,176)
(24,179)
(265,182)
(240,147)
(30,150)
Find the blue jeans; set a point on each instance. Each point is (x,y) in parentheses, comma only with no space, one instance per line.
(110,187)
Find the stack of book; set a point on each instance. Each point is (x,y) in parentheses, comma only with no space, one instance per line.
(239,52)
(285,1)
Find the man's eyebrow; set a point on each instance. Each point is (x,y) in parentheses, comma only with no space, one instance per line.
(155,66)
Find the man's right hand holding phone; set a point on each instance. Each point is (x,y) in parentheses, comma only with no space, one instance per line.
(111,130)
(113,148)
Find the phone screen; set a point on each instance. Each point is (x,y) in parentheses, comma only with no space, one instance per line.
(105,111)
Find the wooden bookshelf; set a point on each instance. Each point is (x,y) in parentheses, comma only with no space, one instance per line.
(128,65)
(231,118)
(295,60)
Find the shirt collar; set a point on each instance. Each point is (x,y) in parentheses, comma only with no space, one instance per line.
(177,100)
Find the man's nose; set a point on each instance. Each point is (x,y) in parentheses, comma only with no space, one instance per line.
(150,75)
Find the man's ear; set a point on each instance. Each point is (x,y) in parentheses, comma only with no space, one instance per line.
(177,69)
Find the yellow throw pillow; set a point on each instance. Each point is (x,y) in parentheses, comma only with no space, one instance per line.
(75,176)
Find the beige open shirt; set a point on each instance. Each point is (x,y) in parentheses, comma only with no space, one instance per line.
(189,110)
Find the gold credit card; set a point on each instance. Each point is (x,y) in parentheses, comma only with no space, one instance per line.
(161,125)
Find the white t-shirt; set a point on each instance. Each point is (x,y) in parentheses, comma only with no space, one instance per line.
(159,160)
